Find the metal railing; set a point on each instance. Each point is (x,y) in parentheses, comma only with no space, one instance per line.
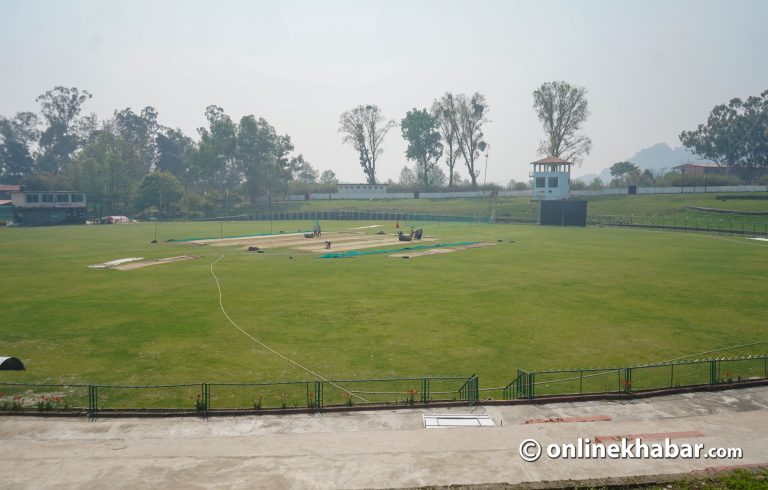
(676,223)
(204,397)
(576,382)
(316,395)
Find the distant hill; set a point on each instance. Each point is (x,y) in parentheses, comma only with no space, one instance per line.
(655,158)
(661,157)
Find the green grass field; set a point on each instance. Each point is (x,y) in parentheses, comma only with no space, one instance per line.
(542,298)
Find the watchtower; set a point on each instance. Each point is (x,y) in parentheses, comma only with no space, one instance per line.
(551,179)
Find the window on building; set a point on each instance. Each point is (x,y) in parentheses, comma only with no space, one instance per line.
(33,197)
(540,182)
(47,197)
(553,182)
(77,198)
(62,197)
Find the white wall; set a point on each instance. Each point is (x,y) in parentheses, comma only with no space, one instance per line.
(611,191)
(618,191)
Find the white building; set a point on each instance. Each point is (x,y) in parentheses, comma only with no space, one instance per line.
(47,208)
(551,179)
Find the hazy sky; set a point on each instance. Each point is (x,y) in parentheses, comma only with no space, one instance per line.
(651,68)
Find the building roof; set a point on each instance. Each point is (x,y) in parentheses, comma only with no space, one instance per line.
(699,164)
(5,187)
(551,160)
(3,202)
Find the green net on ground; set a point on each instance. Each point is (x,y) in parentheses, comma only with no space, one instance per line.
(413,248)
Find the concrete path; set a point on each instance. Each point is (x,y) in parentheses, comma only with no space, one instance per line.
(372,449)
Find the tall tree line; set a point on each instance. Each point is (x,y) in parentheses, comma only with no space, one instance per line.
(131,163)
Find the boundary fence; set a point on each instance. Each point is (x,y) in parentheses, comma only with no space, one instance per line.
(674,223)
(350,215)
(205,397)
(636,379)
(391,392)
(725,227)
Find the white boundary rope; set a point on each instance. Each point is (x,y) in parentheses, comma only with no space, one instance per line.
(270,349)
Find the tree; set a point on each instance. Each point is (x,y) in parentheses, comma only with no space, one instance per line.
(436,177)
(213,162)
(596,184)
(60,108)
(407,177)
(625,173)
(302,170)
(471,114)
(619,169)
(735,135)
(328,177)
(420,130)
(160,190)
(108,170)
(17,137)
(444,110)
(517,186)
(562,109)
(262,157)
(647,178)
(365,127)
(87,128)
(458,179)
(140,130)
(173,149)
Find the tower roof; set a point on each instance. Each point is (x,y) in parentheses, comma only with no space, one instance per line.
(553,160)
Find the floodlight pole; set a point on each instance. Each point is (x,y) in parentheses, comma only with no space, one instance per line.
(485,174)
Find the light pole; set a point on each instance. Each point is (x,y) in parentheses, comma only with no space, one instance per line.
(485,173)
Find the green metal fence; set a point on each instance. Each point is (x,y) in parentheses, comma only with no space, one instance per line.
(205,397)
(19,396)
(354,214)
(540,384)
(724,227)
(316,395)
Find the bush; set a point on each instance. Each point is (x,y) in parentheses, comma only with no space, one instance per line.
(578,185)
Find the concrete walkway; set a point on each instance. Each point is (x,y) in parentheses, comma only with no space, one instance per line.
(372,449)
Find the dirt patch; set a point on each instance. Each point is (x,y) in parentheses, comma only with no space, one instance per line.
(438,251)
(252,240)
(340,241)
(343,244)
(147,263)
